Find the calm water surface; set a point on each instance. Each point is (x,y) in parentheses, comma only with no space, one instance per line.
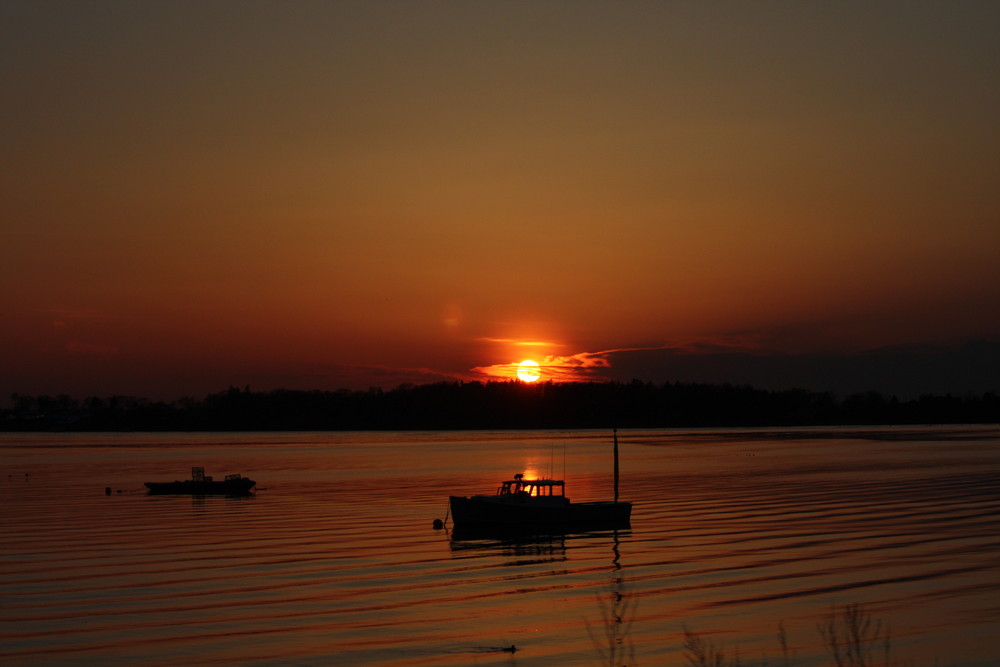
(334,560)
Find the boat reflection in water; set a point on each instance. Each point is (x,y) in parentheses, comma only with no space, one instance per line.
(515,549)
(610,628)
(617,610)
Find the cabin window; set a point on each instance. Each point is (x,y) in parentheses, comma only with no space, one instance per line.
(534,489)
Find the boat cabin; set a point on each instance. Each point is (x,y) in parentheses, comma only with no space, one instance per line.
(532,487)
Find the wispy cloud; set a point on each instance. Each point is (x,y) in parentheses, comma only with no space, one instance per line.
(71,313)
(91,349)
(599,366)
(62,317)
(361,376)
(521,343)
(580,367)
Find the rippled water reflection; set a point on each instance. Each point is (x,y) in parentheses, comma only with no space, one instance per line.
(334,560)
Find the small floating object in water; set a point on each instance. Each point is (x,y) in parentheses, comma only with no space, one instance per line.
(494,649)
(438,524)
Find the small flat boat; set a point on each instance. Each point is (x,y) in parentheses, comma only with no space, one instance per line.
(538,503)
(201,484)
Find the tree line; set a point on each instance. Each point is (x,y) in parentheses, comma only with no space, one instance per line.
(495,405)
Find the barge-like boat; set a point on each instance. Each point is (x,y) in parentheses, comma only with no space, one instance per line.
(201,484)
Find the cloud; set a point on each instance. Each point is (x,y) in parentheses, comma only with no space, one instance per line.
(600,366)
(904,371)
(91,349)
(521,343)
(581,367)
(71,313)
(360,376)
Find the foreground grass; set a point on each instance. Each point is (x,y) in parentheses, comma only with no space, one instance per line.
(852,638)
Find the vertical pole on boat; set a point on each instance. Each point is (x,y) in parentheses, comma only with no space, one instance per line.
(616,465)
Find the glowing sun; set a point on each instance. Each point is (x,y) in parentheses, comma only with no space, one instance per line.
(528,371)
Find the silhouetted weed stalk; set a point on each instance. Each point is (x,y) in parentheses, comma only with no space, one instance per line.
(853,638)
(612,643)
(850,635)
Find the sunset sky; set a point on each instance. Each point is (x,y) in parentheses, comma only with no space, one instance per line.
(321,195)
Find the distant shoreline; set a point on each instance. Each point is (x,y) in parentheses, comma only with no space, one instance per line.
(496,405)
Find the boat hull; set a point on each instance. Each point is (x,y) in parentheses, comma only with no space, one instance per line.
(235,487)
(483,512)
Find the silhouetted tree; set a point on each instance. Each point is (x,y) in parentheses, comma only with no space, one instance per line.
(510,404)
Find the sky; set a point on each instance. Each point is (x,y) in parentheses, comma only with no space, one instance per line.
(325,195)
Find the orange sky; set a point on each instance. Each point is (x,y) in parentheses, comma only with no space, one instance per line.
(324,195)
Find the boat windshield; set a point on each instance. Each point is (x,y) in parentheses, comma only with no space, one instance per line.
(532,487)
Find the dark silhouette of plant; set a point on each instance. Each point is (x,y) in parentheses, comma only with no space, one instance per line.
(476,405)
(783,641)
(853,638)
(701,651)
(850,635)
(617,615)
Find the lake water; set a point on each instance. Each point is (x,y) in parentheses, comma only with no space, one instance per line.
(335,561)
